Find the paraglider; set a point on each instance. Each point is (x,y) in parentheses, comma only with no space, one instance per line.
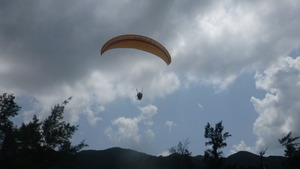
(138,42)
(139,95)
(141,43)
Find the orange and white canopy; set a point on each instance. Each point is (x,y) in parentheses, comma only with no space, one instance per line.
(138,42)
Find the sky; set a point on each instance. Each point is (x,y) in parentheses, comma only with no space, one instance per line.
(233,61)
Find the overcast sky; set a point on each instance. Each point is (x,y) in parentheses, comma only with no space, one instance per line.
(233,61)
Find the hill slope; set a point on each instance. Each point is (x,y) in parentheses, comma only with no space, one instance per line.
(118,158)
(247,159)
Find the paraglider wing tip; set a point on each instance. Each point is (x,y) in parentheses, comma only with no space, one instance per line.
(168,61)
(101,52)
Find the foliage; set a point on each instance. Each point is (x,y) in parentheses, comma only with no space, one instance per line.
(181,156)
(292,150)
(57,133)
(216,139)
(181,148)
(29,135)
(37,144)
(8,109)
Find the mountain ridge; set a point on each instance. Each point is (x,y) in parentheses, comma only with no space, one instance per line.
(120,158)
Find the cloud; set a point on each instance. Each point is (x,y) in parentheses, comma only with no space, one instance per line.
(170,124)
(279,110)
(241,147)
(92,115)
(127,130)
(147,112)
(200,106)
(164,154)
(230,38)
(52,52)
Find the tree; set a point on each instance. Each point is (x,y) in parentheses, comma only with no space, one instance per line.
(37,144)
(262,152)
(216,139)
(57,133)
(292,150)
(29,143)
(181,156)
(181,148)
(29,135)
(8,109)
(53,137)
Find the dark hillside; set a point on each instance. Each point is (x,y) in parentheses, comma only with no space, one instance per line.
(250,160)
(118,158)
(111,158)
(244,158)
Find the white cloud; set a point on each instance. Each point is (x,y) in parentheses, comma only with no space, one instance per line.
(279,109)
(147,112)
(230,38)
(170,124)
(200,106)
(241,147)
(127,130)
(92,93)
(164,154)
(93,116)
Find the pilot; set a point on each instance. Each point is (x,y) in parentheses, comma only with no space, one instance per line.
(139,95)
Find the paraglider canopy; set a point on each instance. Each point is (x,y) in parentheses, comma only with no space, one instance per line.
(141,43)
(138,42)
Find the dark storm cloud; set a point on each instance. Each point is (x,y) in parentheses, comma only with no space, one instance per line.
(50,50)
(52,43)
(47,42)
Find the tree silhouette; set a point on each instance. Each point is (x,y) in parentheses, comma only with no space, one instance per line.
(262,152)
(292,150)
(181,148)
(29,135)
(8,109)
(37,144)
(57,133)
(181,156)
(216,139)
